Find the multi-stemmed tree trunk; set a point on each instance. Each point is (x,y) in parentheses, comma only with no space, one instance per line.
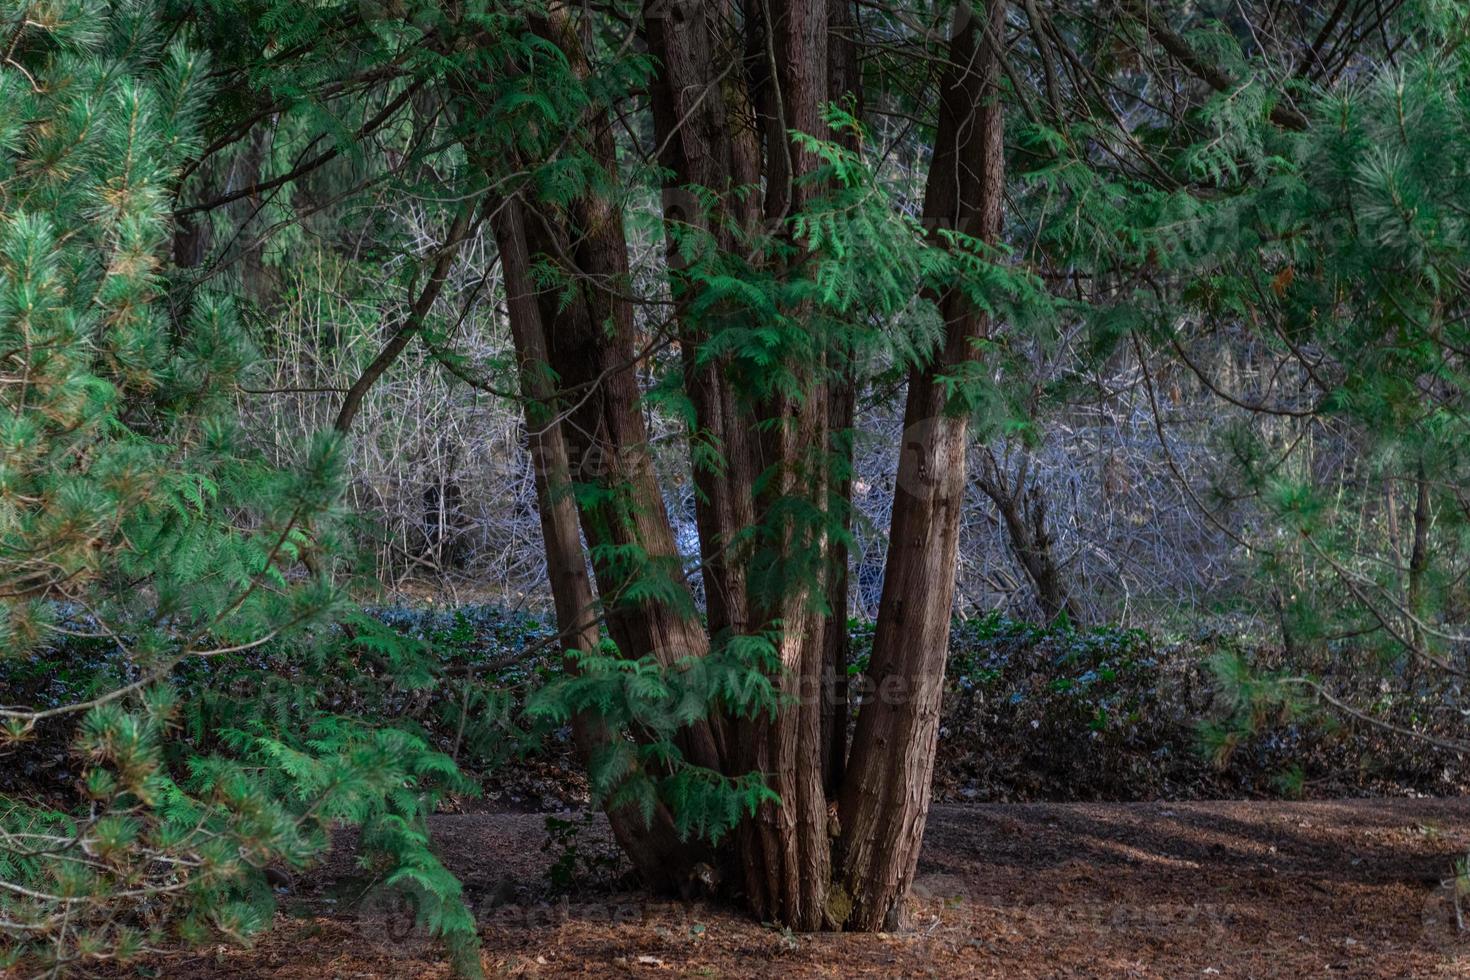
(731,81)
(840,847)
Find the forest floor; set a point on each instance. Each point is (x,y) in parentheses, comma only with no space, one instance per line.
(1215,889)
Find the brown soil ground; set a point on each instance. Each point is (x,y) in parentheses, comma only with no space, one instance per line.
(1229,889)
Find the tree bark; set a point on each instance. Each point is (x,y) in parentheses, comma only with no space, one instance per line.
(844,87)
(771,445)
(706,141)
(654,847)
(593,347)
(785,848)
(885,796)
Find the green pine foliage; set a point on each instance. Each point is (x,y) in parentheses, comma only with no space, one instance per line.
(151,567)
(1333,258)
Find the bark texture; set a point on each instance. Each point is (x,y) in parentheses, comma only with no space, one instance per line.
(715,128)
(594,349)
(885,795)
(654,848)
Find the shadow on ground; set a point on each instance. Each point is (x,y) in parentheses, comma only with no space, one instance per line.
(1227,889)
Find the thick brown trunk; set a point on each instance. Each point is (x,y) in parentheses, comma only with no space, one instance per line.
(785,848)
(590,346)
(837,643)
(653,847)
(593,347)
(705,141)
(703,128)
(885,796)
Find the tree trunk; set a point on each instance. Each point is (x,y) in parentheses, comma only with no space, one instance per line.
(768,564)
(654,848)
(843,88)
(593,348)
(837,643)
(785,848)
(767,444)
(885,796)
(587,432)
(1022,508)
(705,142)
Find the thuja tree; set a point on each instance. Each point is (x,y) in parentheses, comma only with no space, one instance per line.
(715,731)
(788,268)
(790,271)
(144,553)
